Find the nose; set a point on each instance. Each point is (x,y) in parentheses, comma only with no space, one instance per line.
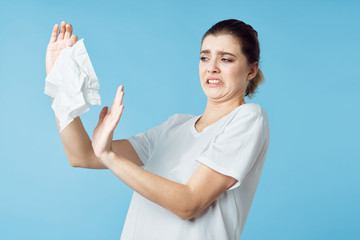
(213,67)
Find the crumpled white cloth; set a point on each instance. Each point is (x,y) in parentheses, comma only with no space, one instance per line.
(73,84)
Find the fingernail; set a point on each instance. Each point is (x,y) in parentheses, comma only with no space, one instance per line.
(70,43)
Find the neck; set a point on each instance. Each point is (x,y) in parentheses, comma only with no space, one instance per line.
(216,110)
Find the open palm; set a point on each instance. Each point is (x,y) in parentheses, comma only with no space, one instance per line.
(58,43)
(108,120)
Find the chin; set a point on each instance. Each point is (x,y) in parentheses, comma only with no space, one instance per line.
(214,97)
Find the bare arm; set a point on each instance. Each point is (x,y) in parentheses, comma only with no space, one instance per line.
(79,151)
(186,201)
(77,146)
(75,140)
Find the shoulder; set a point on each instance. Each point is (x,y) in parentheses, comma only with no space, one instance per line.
(178,119)
(249,118)
(251,112)
(253,108)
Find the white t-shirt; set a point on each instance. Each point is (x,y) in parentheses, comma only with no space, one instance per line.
(236,145)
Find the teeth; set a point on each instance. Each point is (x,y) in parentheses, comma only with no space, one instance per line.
(214,81)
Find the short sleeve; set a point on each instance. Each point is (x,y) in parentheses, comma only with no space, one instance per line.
(235,150)
(145,142)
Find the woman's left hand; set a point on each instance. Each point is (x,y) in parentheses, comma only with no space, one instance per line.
(108,120)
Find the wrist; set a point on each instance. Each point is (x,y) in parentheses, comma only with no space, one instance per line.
(107,158)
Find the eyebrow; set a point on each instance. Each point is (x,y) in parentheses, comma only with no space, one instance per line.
(219,52)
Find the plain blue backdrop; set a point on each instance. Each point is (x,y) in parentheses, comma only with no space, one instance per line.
(309,188)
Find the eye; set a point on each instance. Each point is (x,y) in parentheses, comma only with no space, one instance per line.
(204,58)
(226,60)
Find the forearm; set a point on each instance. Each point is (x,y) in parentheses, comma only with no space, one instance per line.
(173,196)
(77,144)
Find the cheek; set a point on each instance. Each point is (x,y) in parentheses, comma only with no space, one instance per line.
(238,78)
(201,69)
(238,73)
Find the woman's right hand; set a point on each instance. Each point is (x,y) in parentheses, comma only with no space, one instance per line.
(58,43)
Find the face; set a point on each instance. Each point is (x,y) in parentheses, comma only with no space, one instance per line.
(223,69)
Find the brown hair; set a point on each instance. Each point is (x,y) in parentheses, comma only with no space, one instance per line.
(249,43)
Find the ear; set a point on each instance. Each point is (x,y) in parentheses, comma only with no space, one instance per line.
(253,70)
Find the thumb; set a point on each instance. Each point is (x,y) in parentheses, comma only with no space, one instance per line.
(102,114)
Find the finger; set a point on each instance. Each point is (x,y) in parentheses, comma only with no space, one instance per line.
(68,29)
(73,40)
(62,30)
(118,98)
(122,94)
(54,33)
(116,117)
(117,102)
(102,115)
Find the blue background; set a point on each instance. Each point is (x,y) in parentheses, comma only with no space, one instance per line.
(309,188)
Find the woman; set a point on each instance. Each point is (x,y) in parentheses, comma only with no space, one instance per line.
(194,177)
